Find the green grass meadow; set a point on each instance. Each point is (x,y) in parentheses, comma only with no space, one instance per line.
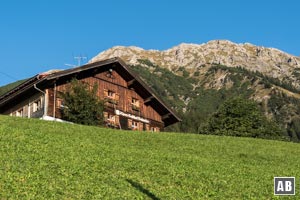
(50,160)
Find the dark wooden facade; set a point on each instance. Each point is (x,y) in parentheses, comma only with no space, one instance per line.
(129,103)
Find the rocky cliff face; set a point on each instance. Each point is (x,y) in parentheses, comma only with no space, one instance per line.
(269,61)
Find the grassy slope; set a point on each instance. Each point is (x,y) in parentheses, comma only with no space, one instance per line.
(48,160)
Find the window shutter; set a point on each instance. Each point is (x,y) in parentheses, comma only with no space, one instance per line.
(129,108)
(129,123)
(25,111)
(31,108)
(141,126)
(117,119)
(105,114)
(117,97)
(105,93)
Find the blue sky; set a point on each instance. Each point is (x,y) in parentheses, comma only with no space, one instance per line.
(39,35)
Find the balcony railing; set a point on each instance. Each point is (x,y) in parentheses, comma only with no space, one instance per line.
(135,107)
(111,123)
(111,100)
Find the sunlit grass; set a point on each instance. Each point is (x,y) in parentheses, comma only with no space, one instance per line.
(48,160)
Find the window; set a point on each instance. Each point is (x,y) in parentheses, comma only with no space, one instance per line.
(111,119)
(134,125)
(154,129)
(111,94)
(135,104)
(134,101)
(111,97)
(19,113)
(59,103)
(147,127)
(37,105)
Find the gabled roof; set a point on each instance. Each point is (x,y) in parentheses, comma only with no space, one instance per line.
(42,80)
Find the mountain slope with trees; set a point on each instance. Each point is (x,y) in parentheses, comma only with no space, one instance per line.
(196,98)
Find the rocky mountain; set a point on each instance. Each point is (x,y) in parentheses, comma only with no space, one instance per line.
(269,61)
(196,79)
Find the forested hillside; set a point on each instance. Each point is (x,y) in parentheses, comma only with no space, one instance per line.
(197,96)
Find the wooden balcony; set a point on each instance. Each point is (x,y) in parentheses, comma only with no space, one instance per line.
(111,124)
(111,100)
(111,103)
(135,107)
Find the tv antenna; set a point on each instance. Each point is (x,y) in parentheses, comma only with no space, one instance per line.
(79,60)
(70,65)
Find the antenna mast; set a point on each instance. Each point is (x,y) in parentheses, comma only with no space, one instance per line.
(79,59)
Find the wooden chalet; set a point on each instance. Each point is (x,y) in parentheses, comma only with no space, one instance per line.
(129,102)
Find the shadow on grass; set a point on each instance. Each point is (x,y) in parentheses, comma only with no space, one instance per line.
(142,189)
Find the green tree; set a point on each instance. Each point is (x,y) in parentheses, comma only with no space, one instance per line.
(242,117)
(294,129)
(81,104)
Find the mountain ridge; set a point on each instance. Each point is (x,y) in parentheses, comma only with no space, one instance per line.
(269,61)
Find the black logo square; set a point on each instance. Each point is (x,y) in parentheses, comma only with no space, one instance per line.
(284,185)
